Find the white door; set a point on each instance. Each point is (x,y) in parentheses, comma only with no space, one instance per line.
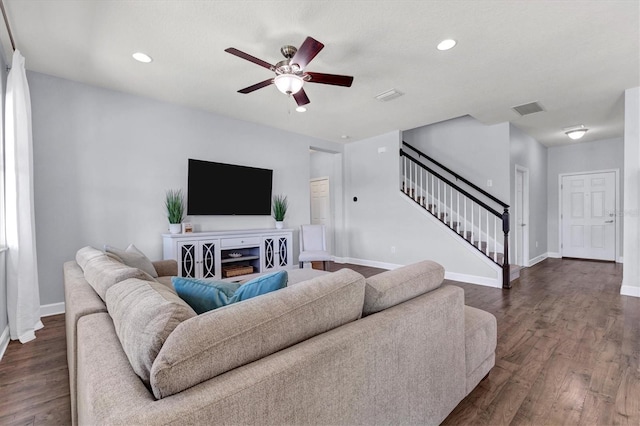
(588,216)
(321,208)
(522,216)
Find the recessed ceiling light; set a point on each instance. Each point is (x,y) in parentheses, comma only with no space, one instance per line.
(345,136)
(301,109)
(142,57)
(446,44)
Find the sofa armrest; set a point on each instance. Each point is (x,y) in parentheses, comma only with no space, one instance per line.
(80,300)
(166,268)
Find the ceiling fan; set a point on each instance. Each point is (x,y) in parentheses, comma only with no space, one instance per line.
(290,72)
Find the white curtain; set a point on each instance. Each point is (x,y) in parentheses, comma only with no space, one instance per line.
(23,295)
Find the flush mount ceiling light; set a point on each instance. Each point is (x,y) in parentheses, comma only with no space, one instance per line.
(301,109)
(289,84)
(576,132)
(446,44)
(142,57)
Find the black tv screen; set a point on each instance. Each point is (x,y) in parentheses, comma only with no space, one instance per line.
(227,189)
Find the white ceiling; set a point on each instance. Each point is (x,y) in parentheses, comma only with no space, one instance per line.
(574,57)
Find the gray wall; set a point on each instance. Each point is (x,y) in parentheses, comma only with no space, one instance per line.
(475,151)
(529,153)
(383,218)
(104,159)
(4,322)
(631,217)
(579,157)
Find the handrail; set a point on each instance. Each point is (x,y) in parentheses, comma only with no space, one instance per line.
(462,191)
(457,176)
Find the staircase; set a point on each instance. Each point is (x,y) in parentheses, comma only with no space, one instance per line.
(467,210)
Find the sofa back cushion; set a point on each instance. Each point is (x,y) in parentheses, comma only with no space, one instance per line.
(102,271)
(399,285)
(144,313)
(221,340)
(85,254)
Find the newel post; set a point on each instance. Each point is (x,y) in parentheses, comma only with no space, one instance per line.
(506,273)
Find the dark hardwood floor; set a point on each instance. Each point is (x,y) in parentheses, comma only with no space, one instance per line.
(568,349)
(568,353)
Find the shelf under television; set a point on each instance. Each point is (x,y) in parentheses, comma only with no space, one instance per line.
(239,259)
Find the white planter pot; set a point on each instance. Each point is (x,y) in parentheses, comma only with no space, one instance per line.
(279,224)
(175,228)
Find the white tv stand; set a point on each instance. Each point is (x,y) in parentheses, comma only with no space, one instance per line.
(205,254)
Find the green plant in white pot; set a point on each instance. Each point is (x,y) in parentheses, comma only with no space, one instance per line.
(174,202)
(279,206)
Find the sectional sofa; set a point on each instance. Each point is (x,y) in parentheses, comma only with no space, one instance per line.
(396,348)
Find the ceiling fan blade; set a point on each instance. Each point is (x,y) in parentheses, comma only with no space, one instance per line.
(301,97)
(333,79)
(249,58)
(309,49)
(256,86)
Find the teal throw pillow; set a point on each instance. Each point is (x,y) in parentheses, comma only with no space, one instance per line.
(261,285)
(204,295)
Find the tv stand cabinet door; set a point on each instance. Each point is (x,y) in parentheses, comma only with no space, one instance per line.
(276,252)
(198,259)
(188,259)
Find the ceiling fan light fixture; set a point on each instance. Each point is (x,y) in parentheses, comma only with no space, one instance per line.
(289,84)
(576,132)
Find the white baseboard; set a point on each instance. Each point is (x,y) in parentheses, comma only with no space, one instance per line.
(628,290)
(52,309)
(473,279)
(538,259)
(363,262)
(4,341)
(554,255)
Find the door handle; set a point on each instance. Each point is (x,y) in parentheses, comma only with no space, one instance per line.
(523,224)
(608,221)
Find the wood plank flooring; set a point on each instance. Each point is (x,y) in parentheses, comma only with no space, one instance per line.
(568,353)
(568,349)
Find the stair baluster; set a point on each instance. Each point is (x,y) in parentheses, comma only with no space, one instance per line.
(435,193)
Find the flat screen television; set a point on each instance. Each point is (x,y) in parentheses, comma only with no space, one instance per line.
(227,189)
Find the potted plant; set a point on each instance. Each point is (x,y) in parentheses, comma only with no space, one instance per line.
(174,202)
(279,209)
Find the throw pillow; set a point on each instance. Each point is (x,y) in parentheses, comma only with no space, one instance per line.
(261,285)
(133,257)
(204,295)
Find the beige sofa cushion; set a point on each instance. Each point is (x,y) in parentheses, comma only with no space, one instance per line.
(221,340)
(102,272)
(85,254)
(133,257)
(144,313)
(399,285)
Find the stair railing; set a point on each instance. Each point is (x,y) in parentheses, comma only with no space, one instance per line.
(475,220)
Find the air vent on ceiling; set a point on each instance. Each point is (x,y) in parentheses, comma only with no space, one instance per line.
(388,95)
(529,108)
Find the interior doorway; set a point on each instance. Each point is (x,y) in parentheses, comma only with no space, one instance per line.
(522,216)
(325,196)
(587,217)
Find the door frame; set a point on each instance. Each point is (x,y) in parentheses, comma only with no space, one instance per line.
(616,253)
(525,215)
(330,232)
